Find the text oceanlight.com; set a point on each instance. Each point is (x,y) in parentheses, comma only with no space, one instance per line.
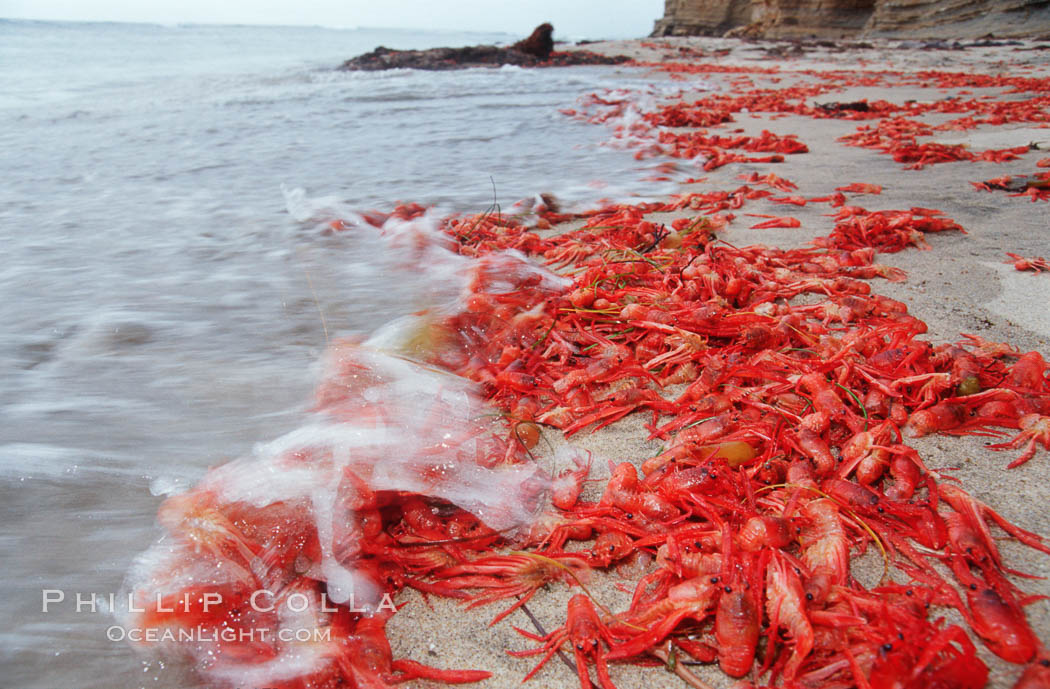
(205,634)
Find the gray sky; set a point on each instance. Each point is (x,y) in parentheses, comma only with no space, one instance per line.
(571,18)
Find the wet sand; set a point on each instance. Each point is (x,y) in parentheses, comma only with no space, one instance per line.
(961,285)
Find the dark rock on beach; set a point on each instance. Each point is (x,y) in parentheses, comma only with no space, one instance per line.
(540,42)
(535,51)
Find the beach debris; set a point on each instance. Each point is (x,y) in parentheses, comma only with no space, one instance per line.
(1036,187)
(854,106)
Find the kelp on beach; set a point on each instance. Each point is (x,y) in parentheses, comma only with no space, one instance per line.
(782,386)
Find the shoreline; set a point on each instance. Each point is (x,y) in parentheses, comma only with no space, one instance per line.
(960,286)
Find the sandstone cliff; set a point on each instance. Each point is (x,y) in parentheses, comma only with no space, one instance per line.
(839,18)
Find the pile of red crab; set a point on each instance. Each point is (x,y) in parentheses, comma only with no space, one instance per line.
(782,385)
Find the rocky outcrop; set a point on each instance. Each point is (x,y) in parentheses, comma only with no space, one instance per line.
(963,18)
(540,42)
(699,18)
(535,51)
(471,56)
(841,18)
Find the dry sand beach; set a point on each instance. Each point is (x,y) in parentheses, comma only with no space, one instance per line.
(960,285)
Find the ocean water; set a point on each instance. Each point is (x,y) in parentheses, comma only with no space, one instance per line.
(163,310)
